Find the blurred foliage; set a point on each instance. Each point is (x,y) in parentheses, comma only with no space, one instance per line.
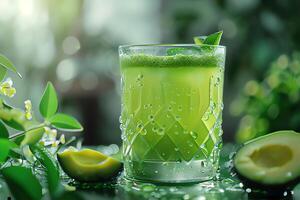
(271,104)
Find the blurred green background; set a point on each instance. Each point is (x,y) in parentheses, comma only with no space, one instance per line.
(74,44)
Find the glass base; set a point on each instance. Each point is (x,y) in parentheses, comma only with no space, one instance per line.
(171,172)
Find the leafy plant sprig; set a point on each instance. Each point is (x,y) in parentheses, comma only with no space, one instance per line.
(31,143)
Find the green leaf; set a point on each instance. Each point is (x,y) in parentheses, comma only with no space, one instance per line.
(49,102)
(13,118)
(22,183)
(17,138)
(5,146)
(33,136)
(5,62)
(3,131)
(15,152)
(65,122)
(3,72)
(212,39)
(5,105)
(15,124)
(50,164)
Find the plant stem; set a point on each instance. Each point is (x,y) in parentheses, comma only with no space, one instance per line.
(23,132)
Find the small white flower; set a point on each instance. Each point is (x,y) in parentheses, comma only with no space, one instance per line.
(47,130)
(28,109)
(50,136)
(62,139)
(7,89)
(55,143)
(53,134)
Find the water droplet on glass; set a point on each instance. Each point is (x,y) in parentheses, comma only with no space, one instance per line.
(140,76)
(151,117)
(221,106)
(140,126)
(154,129)
(179,108)
(144,132)
(248,190)
(241,185)
(176,149)
(194,135)
(123,136)
(177,117)
(205,116)
(156,172)
(285,193)
(160,131)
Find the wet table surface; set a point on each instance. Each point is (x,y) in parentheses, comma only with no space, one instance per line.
(227,187)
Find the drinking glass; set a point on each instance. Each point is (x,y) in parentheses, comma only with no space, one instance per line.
(171,111)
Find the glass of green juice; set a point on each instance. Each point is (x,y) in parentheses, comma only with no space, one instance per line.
(171,111)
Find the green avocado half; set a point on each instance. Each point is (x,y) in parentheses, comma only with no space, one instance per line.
(270,161)
(88,165)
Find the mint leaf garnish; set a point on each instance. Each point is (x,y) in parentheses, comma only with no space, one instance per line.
(212,39)
(199,39)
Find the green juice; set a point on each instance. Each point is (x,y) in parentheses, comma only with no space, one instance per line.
(171,115)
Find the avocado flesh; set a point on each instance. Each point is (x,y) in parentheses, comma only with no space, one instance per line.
(88,165)
(271,160)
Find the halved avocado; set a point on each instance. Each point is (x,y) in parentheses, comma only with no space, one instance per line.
(88,165)
(271,161)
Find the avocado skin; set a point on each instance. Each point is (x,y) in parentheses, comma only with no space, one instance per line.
(275,190)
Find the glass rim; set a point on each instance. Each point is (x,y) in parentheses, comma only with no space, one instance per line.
(168,45)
